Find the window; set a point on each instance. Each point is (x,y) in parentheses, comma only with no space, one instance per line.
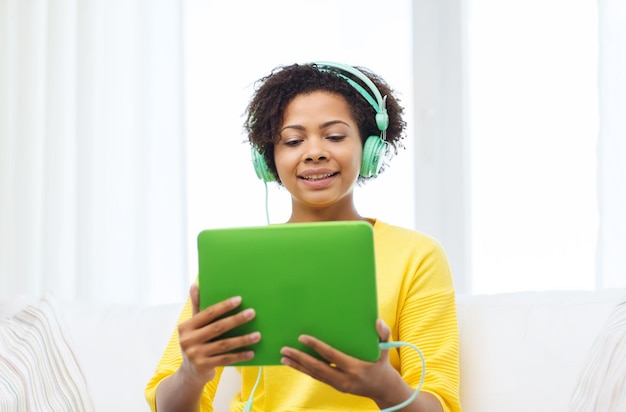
(533,136)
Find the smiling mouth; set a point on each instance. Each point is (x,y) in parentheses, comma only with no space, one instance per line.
(313,178)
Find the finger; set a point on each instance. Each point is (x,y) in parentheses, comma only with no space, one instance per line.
(234,349)
(199,328)
(384,333)
(326,351)
(203,338)
(309,365)
(203,359)
(225,324)
(217,310)
(228,359)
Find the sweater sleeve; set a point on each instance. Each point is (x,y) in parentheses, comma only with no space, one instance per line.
(427,318)
(169,364)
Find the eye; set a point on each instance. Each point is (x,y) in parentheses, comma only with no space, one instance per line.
(336,137)
(292,142)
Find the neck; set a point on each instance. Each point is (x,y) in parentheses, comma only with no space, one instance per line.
(300,213)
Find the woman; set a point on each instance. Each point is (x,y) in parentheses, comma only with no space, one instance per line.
(318,130)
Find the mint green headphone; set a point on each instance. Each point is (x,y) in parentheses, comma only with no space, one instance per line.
(375,146)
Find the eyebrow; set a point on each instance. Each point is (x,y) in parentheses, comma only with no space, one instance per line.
(322,126)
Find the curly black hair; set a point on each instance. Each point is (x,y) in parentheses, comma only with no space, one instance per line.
(273,93)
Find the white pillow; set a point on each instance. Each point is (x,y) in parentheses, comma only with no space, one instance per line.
(38,369)
(602,384)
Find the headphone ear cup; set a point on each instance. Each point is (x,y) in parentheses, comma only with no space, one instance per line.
(260,167)
(373,154)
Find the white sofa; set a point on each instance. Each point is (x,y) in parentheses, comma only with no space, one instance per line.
(519,351)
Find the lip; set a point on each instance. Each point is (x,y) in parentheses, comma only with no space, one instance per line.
(317,178)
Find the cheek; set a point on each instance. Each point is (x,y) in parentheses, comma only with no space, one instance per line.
(282,162)
(357,158)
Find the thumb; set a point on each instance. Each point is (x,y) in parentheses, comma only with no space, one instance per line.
(195,299)
(384,333)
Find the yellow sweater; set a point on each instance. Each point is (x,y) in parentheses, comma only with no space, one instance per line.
(416,299)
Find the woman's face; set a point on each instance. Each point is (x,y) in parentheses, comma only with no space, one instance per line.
(318,155)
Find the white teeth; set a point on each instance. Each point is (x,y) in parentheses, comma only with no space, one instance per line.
(318,177)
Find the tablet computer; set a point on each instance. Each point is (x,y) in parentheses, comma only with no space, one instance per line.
(301,278)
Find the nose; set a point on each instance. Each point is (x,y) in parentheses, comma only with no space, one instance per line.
(315,152)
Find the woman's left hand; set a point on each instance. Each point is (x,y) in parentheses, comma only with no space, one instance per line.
(343,372)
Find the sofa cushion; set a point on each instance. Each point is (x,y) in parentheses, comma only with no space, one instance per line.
(602,382)
(521,349)
(119,347)
(38,368)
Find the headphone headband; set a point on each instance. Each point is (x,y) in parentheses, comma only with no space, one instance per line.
(374,98)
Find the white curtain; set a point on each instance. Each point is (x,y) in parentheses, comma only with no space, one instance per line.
(612,148)
(92,192)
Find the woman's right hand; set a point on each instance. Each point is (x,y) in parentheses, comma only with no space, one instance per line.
(201,353)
